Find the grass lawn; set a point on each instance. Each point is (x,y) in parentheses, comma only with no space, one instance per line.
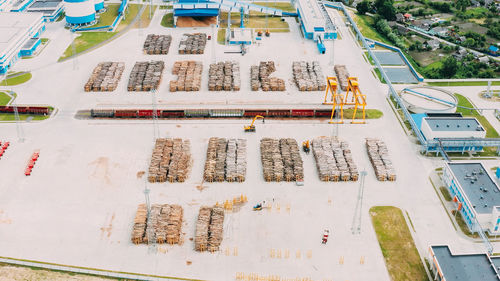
(369,113)
(4,98)
(11,117)
(108,17)
(285,7)
(379,75)
(61,17)
(463,101)
(16,272)
(168,20)
(130,15)
(398,248)
(86,40)
(370,59)
(476,12)
(364,25)
(464,83)
(145,20)
(445,193)
(221,36)
(256,20)
(13,80)
(166,7)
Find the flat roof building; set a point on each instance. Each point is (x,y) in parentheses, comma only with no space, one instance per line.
(51,9)
(17,31)
(475,194)
(313,22)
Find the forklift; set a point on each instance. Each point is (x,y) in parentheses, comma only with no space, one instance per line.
(306,146)
(251,127)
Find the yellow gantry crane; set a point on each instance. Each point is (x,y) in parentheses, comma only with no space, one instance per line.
(337,99)
(357,99)
(251,127)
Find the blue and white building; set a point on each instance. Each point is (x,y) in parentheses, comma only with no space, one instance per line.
(475,194)
(314,21)
(19,36)
(98,5)
(51,9)
(80,12)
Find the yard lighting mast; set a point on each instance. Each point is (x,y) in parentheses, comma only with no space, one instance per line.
(356,220)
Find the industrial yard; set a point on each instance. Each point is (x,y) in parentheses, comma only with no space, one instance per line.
(160,117)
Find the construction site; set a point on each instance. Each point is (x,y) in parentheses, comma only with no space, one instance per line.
(169,155)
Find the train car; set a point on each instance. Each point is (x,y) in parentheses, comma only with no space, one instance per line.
(302,112)
(148,113)
(323,113)
(6,109)
(102,113)
(172,113)
(278,113)
(40,110)
(197,113)
(126,113)
(252,113)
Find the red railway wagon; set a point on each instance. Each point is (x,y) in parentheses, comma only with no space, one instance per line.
(278,113)
(6,109)
(302,112)
(252,113)
(172,113)
(148,113)
(22,109)
(323,113)
(126,113)
(39,110)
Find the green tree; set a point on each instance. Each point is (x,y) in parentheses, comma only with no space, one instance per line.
(449,68)
(387,11)
(363,7)
(462,5)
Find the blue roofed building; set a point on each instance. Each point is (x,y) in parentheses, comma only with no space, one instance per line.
(493,50)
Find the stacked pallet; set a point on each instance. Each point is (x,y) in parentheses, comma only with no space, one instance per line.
(308,76)
(334,160)
(105,77)
(193,43)
(170,160)
(145,76)
(224,76)
(342,76)
(188,76)
(281,160)
(209,229)
(259,77)
(381,162)
(157,44)
(226,160)
(163,226)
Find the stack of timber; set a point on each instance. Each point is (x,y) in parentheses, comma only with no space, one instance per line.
(157,44)
(342,76)
(259,77)
(163,226)
(193,43)
(171,160)
(226,160)
(188,76)
(105,77)
(224,76)
(146,76)
(209,229)
(281,160)
(334,160)
(379,157)
(308,76)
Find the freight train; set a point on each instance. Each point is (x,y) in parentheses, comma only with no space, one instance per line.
(37,110)
(210,113)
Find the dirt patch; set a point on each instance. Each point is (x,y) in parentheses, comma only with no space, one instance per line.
(140,174)
(14,273)
(101,170)
(196,21)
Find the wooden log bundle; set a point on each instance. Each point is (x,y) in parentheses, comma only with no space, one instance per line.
(209,229)
(226,160)
(260,77)
(105,77)
(188,76)
(381,162)
(193,43)
(281,160)
(224,76)
(163,226)
(334,160)
(308,76)
(342,75)
(157,44)
(170,160)
(145,76)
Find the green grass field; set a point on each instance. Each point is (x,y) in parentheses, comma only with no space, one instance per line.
(364,25)
(463,101)
(145,20)
(369,113)
(286,7)
(256,20)
(15,79)
(4,98)
(85,41)
(464,83)
(108,17)
(22,117)
(398,248)
(168,20)
(221,36)
(131,13)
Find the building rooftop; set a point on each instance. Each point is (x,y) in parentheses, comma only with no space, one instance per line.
(477,267)
(45,4)
(311,14)
(454,124)
(477,184)
(13,27)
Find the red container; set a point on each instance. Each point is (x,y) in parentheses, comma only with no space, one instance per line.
(27,172)
(252,113)
(278,113)
(302,113)
(126,113)
(323,113)
(172,113)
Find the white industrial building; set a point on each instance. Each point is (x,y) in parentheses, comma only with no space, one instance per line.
(19,36)
(80,12)
(452,127)
(51,9)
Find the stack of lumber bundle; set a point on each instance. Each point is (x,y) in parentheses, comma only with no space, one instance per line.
(224,76)
(157,44)
(226,160)
(146,76)
(193,43)
(170,160)
(381,162)
(201,236)
(308,76)
(163,226)
(105,77)
(259,77)
(334,160)
(342,76)
(209,229)
(281,160)
(188,76)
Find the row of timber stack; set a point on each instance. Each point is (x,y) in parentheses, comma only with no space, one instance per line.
(188,76)
(146,76)
(226,160)
(157,44)
(209,229)
(259,77)
(170,160)
(308,76)
(342,76)
(281,160)
(105,77)
(224,76)
(163,226)
(334,160)
(193,43)
(379,157)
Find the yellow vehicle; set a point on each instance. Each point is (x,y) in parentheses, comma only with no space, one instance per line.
(251,128)
(306,146)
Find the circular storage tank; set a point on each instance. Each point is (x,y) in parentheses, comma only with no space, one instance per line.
(424,99)
(79,11)
(98,5)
